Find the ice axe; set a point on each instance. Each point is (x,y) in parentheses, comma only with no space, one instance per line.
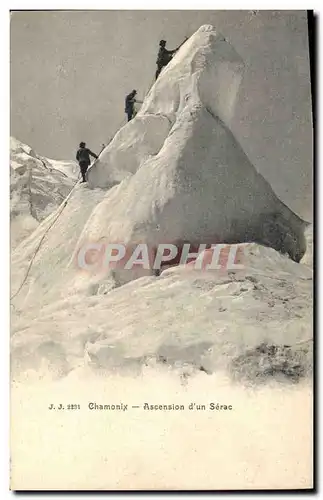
(102,148)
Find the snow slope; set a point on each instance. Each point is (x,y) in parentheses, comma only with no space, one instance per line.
(37,187)
(184,317)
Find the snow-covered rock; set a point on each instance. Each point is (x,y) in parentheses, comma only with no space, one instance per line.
(37,186)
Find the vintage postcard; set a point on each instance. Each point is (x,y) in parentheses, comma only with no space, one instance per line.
(161,250)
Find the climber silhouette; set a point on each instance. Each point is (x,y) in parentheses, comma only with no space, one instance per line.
(165,55)
(83,157)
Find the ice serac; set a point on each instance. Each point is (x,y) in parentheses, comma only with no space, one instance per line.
(182,175)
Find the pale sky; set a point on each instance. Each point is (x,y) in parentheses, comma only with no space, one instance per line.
(70,72)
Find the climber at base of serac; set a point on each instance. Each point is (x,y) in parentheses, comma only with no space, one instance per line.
(83,157)
(165,56)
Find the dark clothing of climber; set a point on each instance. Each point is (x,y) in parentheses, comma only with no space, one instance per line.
(130,104)
(164,56)
(83,166)
(83,157)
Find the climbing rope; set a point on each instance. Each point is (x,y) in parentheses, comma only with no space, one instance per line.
(42,239)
